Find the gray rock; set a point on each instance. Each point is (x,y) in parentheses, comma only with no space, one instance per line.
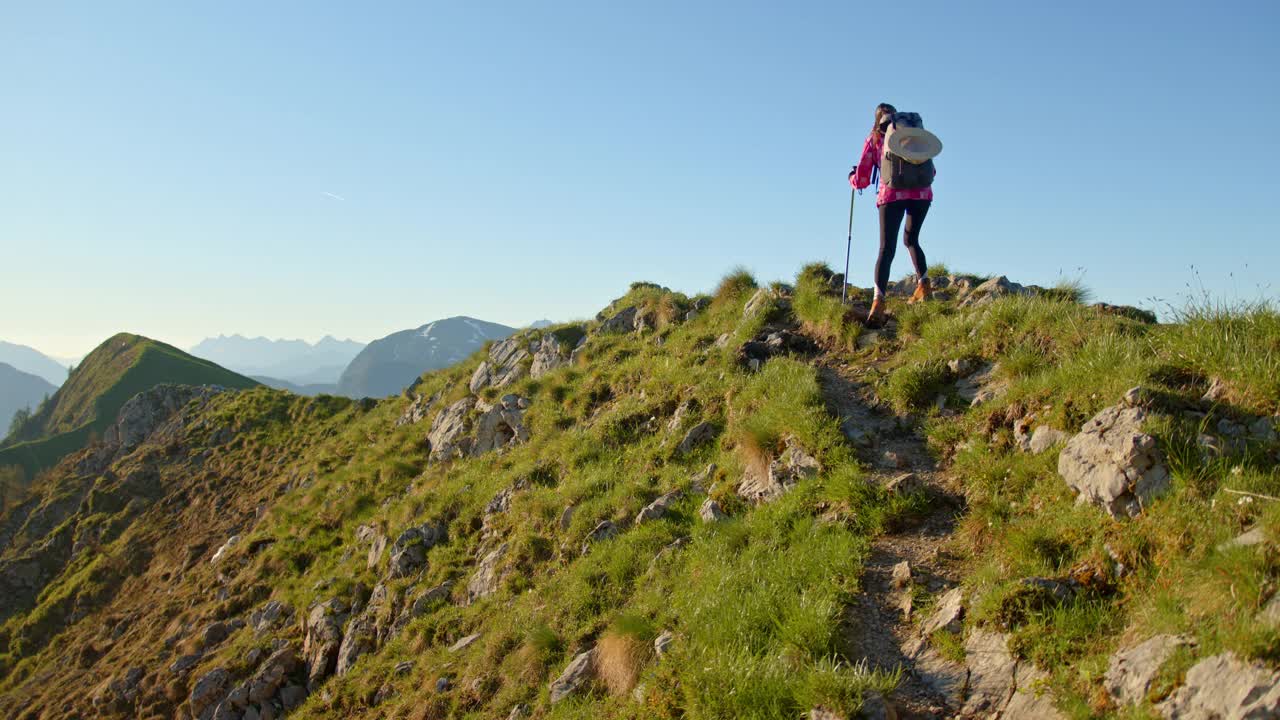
(464,643)
(404,667)
(979,386)
(1045,438)
(1111,463)
(208,689)
(824,714)
(901,576)
(566,517)
(268,678)
(947,678)
(185,663)
(623,321)
(1248,538)
(760,299)
(761,485)
(575,677)
(1218,391)
(1269,615)
(486,579)
(947,615)
(500,425)
(417,410)
(322,637)
(697,436)
(604,530)
(518,711)
(996,287)
(663,642)
(270,616)
(1132,670)
(711,511)
(359,638)
(876,707)
(145,412)
(962,367)
(443,684)
(409,552)
(224,550)
(701,482)
(548,356)
(377,546)
(448,436)
(859,436)
(1263,429)
(991,673)
(1224,686)
(659,507)
(504,365)
(292,696)
(214,633)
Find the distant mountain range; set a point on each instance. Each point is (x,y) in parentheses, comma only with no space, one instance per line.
(310,389)
(90,399)
(30,360)
(19,390)
(295,362)
(387,366)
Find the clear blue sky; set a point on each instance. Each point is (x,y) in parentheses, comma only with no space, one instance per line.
(294,169)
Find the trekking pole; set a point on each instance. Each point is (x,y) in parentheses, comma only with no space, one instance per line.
(848,248)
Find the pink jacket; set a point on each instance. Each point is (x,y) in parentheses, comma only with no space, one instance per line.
(860,178)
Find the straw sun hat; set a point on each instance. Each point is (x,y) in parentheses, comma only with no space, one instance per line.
(915,145)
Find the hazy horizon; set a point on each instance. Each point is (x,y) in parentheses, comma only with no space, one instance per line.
(291,171)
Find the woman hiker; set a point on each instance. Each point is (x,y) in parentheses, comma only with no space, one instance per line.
(905,175)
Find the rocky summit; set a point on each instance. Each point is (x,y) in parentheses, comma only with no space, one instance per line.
(1003,502)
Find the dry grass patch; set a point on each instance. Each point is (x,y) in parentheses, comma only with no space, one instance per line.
(620,658)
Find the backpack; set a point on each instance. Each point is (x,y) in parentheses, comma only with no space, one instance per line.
(897,172)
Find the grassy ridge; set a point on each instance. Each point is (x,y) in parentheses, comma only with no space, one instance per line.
(105,380)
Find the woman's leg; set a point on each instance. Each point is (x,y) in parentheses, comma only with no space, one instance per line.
(890,221)
(915,210)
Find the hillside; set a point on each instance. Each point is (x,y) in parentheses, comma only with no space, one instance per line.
(387,365)
(19,390)
(308,389)
(30,360)
(1005,503)
(92,396)
(294,361)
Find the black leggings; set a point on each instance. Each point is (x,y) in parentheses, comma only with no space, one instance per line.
(890,220)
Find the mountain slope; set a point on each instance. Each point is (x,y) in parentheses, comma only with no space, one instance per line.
(689,508)
(307,389)
(386,366)
(295,361)
(20,390)
(89,400)
(30,360)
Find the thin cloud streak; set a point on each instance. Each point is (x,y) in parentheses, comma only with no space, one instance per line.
(335,197)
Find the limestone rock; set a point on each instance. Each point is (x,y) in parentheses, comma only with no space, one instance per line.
(417,410)
(658,508)
(1249,538)
(991,673)
(992,289)
(142,414)
(602,531)
(409,552)
(322,637)
(1224,686)
(698,435)
(1111,463)
(504,365)
(1133,669)
(762,484)
(464,643)
(273,673)
(901,576)
(486,579)
(947,615)
(224,549)
(947,678)
(359,638)
(623,321)
(271,615)
(1044,438)
(711,511)
(500,425)
(663,642)
(547,356)
(208,689)
(980,385)
(448,436)
(760,299)
(575,677)
(702,482)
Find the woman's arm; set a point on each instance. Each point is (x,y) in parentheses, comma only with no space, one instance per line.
(861,176)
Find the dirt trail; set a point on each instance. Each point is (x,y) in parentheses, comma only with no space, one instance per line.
(877,627)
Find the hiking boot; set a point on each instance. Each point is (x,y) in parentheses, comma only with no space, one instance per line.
(875,318)
(923,291)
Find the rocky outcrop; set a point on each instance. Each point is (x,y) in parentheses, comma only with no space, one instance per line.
(500,425)
(604,530)
(1224,686)
(409,551)
(762,483)
(142,414)
(505,364)
(418,410)
(1002,686)
(576,676)
(1132,670)
(659,507)
(270,616)
(710,511)
(487,577)
(990,290)
(698,435)
(947,614)
(769,343)
(322,638)
(358,638)
(1113,464)
(448,437)
(549,354)
(622,321)
(207,691)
